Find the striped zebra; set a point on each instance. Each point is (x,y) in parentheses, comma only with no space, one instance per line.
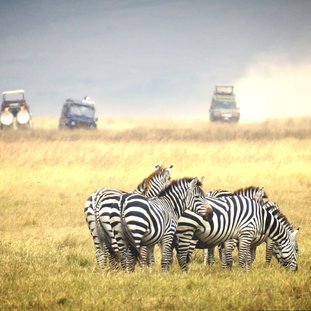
(99,206)
(146,222)
(271,246)
(226,248)
(236,217)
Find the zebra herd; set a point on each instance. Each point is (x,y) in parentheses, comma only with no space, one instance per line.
(179,215)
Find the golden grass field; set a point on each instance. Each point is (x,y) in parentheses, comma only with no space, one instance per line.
(46,252)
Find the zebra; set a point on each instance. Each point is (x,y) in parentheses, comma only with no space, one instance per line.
(151,221)
(98,208)
(226,248)
(272,247)
(237,217)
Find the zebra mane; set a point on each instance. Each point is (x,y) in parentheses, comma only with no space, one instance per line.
(251,189)
(275,211)
(218,193)
(179,181)
(145,185)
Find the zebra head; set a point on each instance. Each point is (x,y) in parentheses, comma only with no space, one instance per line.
(195,198)
(286,252)
(155,182)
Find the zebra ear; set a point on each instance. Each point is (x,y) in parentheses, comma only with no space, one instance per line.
(156,166)
(168,172)
(259,195)
(193,183)
(201,179)
(170,169)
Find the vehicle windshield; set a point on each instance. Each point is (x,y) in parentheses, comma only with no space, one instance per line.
(224,104)
(13,97)
(85,111)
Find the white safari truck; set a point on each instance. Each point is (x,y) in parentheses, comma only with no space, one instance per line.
(14,112)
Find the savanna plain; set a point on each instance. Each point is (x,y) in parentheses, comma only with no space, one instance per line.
(47,258)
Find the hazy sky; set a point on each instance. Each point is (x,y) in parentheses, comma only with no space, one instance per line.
(155,59)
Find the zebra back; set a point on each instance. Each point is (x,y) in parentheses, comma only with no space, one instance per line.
(218,193)
(257,193)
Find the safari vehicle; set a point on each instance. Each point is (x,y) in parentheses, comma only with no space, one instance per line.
(224,107)
(78,114)
(15,112)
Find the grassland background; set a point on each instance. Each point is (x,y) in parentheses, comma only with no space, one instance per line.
(46,253)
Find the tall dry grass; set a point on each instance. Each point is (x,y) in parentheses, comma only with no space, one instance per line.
(46,252)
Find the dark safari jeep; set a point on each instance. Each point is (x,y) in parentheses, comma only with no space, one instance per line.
(224,107)
(15,112)
(78,114)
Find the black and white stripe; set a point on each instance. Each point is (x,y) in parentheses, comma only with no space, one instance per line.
(98,209)
(146,222)
(236,217)
(225,249)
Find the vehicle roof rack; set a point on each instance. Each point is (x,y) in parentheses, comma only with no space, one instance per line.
(13,92)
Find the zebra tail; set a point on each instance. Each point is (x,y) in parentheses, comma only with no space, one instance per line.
(129,239)
(104,238)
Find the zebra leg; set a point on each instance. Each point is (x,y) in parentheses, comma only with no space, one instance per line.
(193,244)
(147,256)
(223,255)
(123,255)
(167,251)
(91,223)
(117,231)
(245,251)
(182,250)
(101,251)
(253,254)
(211,256)
(107,240)
(150,256)
(221,251)
(101,258)
(144,255)
(269,251)
(131,259)
(113,261)
(121,250)
(205,256)
(228,248)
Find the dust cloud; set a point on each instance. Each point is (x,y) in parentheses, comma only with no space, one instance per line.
(274,88)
